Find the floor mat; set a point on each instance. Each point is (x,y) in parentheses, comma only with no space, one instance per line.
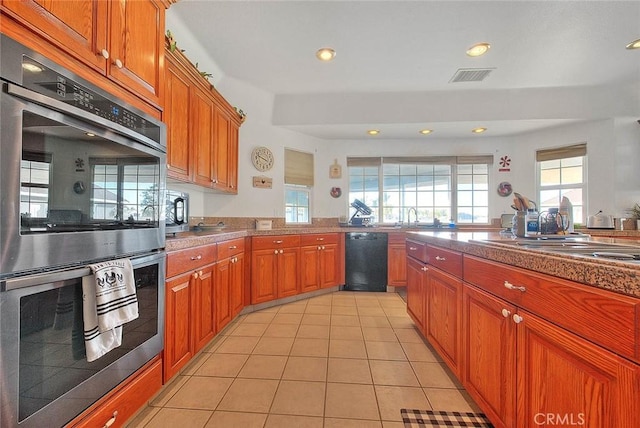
(434,418)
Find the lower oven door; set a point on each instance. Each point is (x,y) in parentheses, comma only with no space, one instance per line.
(45,378)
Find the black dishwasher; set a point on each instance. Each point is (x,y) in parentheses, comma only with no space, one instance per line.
(366,261)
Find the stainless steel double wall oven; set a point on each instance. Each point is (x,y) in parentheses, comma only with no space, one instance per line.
(82,179)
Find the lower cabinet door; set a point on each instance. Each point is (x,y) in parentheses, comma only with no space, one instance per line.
(288,276)
(178,324)
(416,279)
(203,304)
(329,266)
(236,284)
(221,295)
(264,275)
(443,325)
(564,380)
(310,268)
(489,355)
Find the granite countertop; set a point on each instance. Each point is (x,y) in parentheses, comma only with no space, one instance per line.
(619,276)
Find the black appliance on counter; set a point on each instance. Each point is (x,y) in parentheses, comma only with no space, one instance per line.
(366,261)
(362,216)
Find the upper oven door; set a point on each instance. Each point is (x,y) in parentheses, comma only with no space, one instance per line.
(73,189)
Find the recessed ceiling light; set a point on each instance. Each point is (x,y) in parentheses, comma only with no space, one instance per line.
(325,54)
(478,49)
(634,45)
(373,131)
(426,131)
(478,130)
(31,67)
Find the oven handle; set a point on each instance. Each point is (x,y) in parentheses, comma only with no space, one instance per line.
(54,104)
(65,275)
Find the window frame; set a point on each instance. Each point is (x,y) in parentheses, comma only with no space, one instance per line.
(452,162)
(298,188)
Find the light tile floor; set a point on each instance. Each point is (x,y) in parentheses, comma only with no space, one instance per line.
(345,359)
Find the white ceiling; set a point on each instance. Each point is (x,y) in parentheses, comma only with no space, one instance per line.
(393,50)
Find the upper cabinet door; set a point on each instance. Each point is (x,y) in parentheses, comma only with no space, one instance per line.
(137,46)
(79,27)
(176,117)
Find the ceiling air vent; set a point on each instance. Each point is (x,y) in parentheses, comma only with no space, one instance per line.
(471,74)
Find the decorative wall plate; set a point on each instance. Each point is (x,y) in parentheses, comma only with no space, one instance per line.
(336,192)
(504,189)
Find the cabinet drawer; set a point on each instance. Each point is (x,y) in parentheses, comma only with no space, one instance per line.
(318,239)
(275,241)
(182,261)
(446,260)
(417,250)
(127,401)
(230,248)
(604,317)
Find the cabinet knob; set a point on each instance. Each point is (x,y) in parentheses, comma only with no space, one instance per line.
(112,420)
(440,259)
(104,53)
(319,248)
(275,251)
(517,319)
(323,247)
(510,286)
(195,275)
(198,257)
(506,313)
(424,268)
(281,251)
(118,63)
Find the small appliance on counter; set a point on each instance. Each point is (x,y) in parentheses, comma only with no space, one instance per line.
(177,212)
(600,221)
(362,216)
(264,224)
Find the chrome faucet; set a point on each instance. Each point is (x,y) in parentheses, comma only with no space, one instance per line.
(415,212)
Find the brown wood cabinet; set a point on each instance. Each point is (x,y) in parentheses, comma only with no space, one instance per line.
(122,40)
(416,286)
(202,129)
(189,313)
(397,259)
(319,261)
(114,409)
(274,267)
(531,353)
(229,296)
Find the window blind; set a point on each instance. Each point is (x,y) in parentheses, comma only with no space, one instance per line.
(561,152)
(298,167)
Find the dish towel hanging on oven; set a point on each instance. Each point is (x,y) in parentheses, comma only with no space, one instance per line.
(109,301)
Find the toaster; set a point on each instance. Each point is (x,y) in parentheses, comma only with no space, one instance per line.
(600,221)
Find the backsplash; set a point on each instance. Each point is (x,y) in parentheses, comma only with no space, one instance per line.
(250,222)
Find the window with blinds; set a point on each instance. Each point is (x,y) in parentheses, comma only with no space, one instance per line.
(439,188)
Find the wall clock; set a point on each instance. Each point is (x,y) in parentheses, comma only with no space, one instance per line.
(262,158)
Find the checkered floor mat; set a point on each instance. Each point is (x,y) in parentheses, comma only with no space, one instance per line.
(433,418)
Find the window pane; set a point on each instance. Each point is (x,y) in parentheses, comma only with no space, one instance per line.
(465,199)
(549,177)
(572,175)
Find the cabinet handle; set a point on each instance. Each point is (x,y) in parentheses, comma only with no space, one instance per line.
(112,420)
(118,63)
(198,257)
(517,319)
(424,268)
(506,313)
(104,53)
(233,247)
(319,239)
(510,286)
(277,242)
(440,259)
(413,248)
